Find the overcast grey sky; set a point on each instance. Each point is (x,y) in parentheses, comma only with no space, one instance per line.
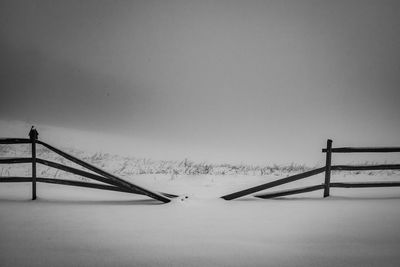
(247,81)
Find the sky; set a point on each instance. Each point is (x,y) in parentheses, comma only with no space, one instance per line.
(217,81)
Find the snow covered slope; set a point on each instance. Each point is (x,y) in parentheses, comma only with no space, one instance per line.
(70,226)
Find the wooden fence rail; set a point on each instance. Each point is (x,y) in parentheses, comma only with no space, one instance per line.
(111,181)
(292,191)
(114,183)
(329,150)
(363,150)
(15,160)
(328,168)
(15,179)
(113,178)
(365,167)
(273,184)
(77,172)
(364,185)
(11,141)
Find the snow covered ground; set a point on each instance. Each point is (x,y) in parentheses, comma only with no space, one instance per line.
(70,226)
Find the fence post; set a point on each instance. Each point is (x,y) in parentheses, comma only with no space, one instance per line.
(328,167)
(33,135)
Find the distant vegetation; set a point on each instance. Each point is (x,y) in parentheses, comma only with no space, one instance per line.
(126,166)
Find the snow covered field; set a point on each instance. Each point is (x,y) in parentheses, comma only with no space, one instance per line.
(69,226)
(72,226)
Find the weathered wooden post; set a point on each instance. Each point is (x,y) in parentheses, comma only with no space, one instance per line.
(328,167)
(33,135)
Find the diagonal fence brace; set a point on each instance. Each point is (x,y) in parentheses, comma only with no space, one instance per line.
(273,184)
(120,182)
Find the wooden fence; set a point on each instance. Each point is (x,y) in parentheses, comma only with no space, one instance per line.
(109,181)
(114,183)
(328,168)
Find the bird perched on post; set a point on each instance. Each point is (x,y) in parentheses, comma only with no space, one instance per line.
(33,134)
